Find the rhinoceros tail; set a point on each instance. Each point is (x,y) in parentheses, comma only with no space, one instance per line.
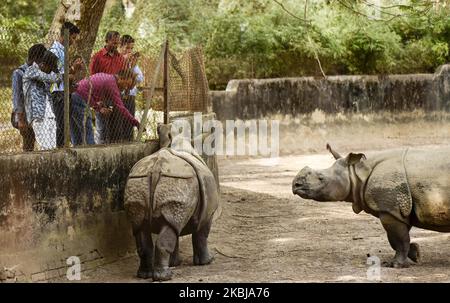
(154,177)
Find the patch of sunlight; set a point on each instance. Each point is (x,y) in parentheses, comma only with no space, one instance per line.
(281,240)
(273,161)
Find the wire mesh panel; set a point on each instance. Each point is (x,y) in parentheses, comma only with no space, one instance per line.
(40,110)
(188,90)
(188,86)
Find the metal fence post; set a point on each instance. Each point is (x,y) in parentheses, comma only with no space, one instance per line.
(166,83)
(66,90)
(153,84)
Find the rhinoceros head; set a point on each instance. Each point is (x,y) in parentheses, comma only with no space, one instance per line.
(331,184)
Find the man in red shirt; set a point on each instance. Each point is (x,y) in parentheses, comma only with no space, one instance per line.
(108,61)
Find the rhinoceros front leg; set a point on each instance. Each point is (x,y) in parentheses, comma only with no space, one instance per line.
(398,236)
(200,245)
(144,245)
(165,246)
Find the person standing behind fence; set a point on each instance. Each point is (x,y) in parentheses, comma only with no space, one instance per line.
(125,133)
(18,117)
(100,87)
(36,87)
(58,90)
(108,61)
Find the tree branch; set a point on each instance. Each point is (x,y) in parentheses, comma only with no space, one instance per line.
(291,14)
(308,26)
(348,6)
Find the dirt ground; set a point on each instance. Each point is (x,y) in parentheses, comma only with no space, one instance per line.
(266,234)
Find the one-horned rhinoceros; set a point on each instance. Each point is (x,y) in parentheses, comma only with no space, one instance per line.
(170,193)
(403,188)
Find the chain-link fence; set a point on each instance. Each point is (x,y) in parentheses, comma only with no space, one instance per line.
(98,102)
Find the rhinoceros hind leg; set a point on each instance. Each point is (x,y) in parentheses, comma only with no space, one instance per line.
(144,245)
(398,236)
(414,252)
(200,245)
(175,259)
(165,246)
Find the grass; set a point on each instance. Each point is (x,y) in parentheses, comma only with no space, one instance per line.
(10,141)
(5,105)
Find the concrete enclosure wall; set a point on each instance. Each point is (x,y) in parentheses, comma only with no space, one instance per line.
(64,203)
(54,205)
(253,98)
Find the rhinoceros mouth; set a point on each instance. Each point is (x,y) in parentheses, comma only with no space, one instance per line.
(300,191)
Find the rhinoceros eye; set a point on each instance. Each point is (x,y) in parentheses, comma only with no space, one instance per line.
(321,178)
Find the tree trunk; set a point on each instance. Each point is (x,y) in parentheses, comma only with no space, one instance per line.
(91,15)
(86,14)
(58,19)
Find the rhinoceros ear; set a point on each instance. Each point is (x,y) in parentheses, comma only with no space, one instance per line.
(158,128)
(164,134)
(333,152)
(353,159)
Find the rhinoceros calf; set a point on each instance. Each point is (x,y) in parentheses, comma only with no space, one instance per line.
(170,193)
(402,188)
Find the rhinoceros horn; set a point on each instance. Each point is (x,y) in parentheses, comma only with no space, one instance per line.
(333,152)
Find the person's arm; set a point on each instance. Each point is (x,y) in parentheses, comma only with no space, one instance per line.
(93,68)
(60,57)
(38,75)
(114,92)
(139,75)
(18,99)
(17,93)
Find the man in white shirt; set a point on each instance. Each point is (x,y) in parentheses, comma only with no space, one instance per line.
(124,129)
(58,90)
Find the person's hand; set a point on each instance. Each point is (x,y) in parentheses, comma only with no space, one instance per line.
(144,130)
(105,111)
(77,64)
(21,123)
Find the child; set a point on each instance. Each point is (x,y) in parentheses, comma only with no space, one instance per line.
(36,87)
(18,118)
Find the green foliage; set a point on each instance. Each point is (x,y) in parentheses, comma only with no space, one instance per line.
(39,11)
(22,24)
(371,49)
(5,105)
(16,36)
(260,39)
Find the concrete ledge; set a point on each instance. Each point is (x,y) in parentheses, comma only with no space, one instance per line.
(64,203)
(260,98)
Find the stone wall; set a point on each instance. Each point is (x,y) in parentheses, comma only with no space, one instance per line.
(253,98)
(68,202)
(64,203)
